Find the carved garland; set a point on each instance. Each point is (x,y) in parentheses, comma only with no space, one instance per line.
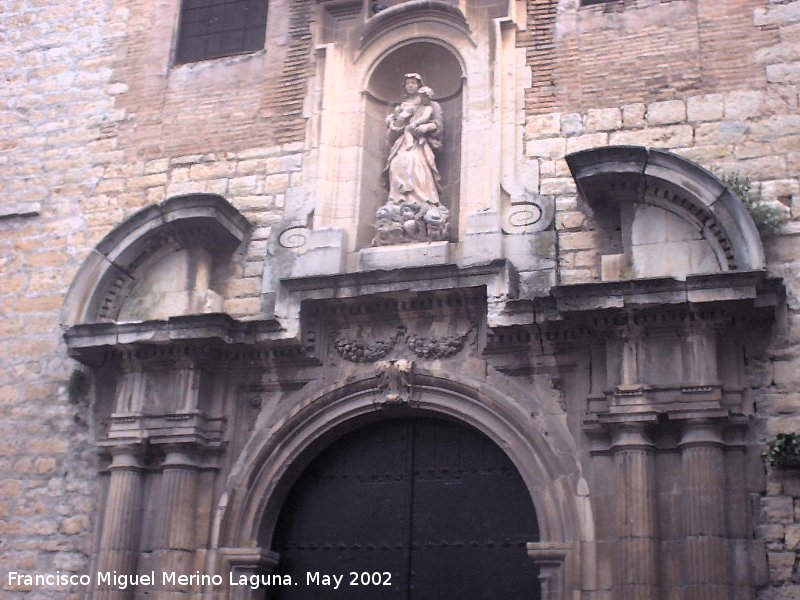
(444,347)
(431,348)
(362,353)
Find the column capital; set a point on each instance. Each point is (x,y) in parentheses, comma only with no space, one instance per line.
(631,436)
(182,454)
(125,455)
(700,432)
(550,558)
(254,558)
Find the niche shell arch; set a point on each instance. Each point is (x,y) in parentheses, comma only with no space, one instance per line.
(272,462)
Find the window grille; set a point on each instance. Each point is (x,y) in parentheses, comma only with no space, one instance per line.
(214,28)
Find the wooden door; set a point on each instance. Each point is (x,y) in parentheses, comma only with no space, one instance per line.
(412,509)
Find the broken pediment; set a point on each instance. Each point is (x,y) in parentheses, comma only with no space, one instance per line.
(166,260)
(662,215)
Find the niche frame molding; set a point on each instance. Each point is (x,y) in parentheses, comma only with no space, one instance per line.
(497,184)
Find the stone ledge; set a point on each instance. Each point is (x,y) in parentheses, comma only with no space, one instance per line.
(20,209)
(420,254)
(755,287)
(85,341)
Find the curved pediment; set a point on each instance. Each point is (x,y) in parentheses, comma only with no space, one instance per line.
(158,263)
(411,12)
(672,203)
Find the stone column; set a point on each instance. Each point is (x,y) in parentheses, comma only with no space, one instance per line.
(119,541)
(636,566)
(704,510)
(176,541)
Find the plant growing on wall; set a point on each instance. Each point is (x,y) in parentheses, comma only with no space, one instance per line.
(784,451)
(768,219)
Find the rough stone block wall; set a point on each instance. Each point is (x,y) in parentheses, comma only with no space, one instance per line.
(56,63)
(96,126)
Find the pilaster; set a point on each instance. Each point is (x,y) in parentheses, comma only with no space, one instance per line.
(119,541)
(707,549)
(637,530)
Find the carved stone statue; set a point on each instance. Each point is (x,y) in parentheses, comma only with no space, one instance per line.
(413,211)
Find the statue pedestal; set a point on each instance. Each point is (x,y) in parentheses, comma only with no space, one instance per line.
(418,254)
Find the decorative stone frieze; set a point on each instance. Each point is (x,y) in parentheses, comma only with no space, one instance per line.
(370,352)
(423,347)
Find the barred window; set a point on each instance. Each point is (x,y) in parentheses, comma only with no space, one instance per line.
(214,28)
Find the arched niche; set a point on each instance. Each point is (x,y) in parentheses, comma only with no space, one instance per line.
(166,260)
(661,215)
(440,69)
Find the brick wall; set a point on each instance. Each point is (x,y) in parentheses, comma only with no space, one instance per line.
(238,102)
(626,51)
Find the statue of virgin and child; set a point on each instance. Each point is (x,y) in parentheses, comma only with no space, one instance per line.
(413,211)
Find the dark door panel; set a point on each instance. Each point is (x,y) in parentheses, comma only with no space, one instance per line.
(435,504)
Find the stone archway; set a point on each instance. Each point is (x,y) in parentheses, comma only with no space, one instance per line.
(273,463)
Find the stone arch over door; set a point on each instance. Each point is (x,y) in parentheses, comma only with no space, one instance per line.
(272,462)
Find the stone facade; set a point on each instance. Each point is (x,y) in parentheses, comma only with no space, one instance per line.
(554,334)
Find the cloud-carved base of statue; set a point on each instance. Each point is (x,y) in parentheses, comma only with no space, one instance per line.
(410,222)
(413,212)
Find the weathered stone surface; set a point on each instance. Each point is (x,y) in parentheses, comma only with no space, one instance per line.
(709,107)
(666,113)
(608,119)
(672,136)
(633,115)
(781,566)
(571,124)
(777,509)
(541,125)
(546,148)
(743,105)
